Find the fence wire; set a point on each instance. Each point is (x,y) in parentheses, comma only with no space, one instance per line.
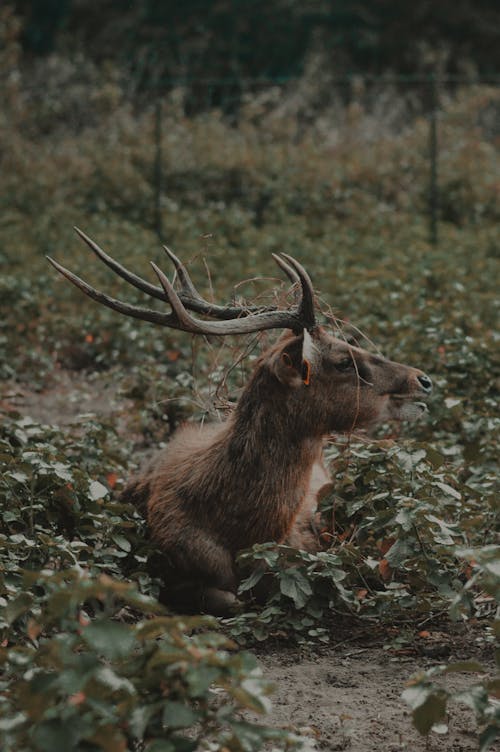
(420,96)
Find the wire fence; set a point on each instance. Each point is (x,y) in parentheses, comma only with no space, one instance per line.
(422,96)
(67,100)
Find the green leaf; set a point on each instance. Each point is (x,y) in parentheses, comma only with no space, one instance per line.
(122,542)
(428,705)
(62,471)
(409,460)
(446,532)
(109,638)
(140,718)
(254,696)
(97,490)
(251,736)
(17,607)
(493,567)
(200,678)
(295,585)
(448,490)
(109,678)
(487,737)
(20,477)
(161,745)
(49,736)
(399,552)
(251,580)
(440,728)
(435,458)
(475,697)
(10,724)
(181,744)
(176,715)
(416,695)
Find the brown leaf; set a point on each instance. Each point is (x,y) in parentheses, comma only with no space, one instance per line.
(384,545)
(111,479)
(33,629)
(385,569)
(77,698)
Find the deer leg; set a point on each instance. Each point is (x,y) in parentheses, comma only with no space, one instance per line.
(201,576)
(304,533)
(306,527)
(218,602)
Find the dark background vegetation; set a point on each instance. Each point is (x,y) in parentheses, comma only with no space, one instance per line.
(363,139)
(252,38)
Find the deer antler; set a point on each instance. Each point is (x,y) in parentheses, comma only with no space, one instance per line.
(188,293)
(232,319)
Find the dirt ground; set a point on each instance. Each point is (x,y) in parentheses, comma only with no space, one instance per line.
(341,698)
(349,699)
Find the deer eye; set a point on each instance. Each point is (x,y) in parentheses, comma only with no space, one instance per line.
(345,364)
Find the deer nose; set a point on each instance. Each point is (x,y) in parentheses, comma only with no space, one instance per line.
(425,382)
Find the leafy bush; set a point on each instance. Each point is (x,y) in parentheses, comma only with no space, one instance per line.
(83,678)
(427,698)
(393,533)
(88,661)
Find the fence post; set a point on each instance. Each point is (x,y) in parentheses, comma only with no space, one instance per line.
(433,159)
(158,171)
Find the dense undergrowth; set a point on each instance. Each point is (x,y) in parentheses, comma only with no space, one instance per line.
(90,660)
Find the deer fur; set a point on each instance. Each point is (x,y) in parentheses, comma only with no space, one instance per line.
(218,489)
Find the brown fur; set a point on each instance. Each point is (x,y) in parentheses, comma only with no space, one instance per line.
(218,489)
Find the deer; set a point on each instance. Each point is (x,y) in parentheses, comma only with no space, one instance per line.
(220,488)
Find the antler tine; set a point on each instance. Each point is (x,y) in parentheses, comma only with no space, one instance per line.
(146,314)
(189,323)
(184,278)
(289,270)
(303,318)
(141,284)
(256,323)
(297,273)
(192,300)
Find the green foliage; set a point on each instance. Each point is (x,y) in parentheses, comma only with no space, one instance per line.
(427,698)
(394,534)
(56,508)
(407,531)
(88,661)
(80,677)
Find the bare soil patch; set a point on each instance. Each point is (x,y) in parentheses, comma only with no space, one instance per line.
(350,699)
(68,394)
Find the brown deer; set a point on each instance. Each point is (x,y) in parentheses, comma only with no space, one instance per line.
(217,489)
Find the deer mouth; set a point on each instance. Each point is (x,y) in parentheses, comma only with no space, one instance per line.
(407,406)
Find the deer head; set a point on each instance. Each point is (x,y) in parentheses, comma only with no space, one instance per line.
(336,385)
(341,387)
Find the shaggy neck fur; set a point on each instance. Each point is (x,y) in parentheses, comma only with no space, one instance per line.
(272,452)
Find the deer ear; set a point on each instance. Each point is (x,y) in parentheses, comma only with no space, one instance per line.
(296,362)
(310,355)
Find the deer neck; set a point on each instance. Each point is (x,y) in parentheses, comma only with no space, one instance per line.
(268,429)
